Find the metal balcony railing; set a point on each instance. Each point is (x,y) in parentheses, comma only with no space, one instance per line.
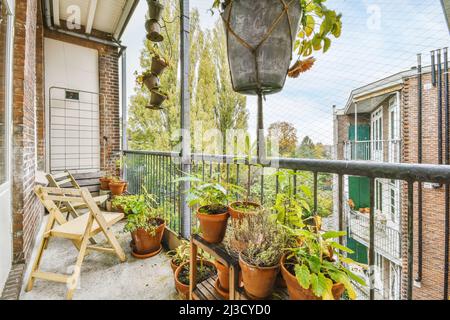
(157,170)
(373,150)
(387,239)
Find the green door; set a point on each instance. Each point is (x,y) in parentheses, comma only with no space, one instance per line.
(359,186)
(359,251)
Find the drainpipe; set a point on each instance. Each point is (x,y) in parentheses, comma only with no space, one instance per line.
(433,68)
(49,24)
(124,100)
(439,84)
(356,130)
(447,186)
(419,160)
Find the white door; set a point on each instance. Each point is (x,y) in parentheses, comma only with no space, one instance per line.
(394,129)
(6,32)
(377,135)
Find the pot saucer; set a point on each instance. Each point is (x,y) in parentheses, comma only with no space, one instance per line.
(146,256)
(221,291)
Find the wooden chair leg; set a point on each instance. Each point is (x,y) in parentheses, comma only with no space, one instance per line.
(115,244)
(73,282)
(36,263)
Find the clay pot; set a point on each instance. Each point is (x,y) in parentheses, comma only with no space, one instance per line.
(259,282)
(145,244)
(151,82)
(173,265)
(239,215)
(117,187)
(104,183)
(157,99)
(213,226)
(158,66)
(224,275)
(183,289)
(155,9)
(297,292)
(153,31)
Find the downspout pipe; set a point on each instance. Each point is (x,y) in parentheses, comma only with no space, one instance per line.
(433,68)
(419,160)
(49,24)
(439,84)
(447,186)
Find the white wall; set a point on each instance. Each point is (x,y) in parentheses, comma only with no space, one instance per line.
(76,68)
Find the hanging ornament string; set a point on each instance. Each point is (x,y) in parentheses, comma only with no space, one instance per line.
(254,50)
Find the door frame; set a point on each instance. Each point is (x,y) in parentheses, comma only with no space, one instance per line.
(6,247)
(394,128)
(376,119)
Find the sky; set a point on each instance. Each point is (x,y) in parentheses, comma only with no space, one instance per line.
(379,38)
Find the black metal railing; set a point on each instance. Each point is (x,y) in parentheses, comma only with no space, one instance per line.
(156,170)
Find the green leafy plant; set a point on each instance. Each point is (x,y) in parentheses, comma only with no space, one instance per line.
(318,25)
(258,239)
(142,212)
(182,253)
(141,76)
(318,264)
(212,196)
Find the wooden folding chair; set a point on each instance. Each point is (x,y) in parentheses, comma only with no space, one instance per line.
(65,178)
(78,230)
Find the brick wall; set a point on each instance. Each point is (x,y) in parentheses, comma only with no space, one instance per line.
(27,212)
(343,124)
(40,90)
(433,199)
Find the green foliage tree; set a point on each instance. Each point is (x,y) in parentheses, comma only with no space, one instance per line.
(286,134)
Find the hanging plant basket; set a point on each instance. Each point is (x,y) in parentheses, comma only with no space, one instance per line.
(157,99)
(155,9)
(151,82)
(158,65)
(260,39)
(153,31)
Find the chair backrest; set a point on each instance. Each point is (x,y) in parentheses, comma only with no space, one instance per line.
(60,179)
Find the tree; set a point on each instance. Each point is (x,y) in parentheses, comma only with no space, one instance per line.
(214,105)
(286,135)
(309,150)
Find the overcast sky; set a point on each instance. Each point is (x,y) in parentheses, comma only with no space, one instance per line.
(379,38)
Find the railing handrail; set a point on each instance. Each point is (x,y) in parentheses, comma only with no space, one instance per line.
(381,170)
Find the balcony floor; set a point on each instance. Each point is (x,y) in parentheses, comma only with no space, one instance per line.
(103,276)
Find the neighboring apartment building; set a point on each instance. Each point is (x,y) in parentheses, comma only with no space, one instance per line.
(59,105)
(380,123)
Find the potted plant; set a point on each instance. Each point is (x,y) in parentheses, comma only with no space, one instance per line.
(315,269)
(180,255)
(157,99)
(251,47)
(104,182)
(146,225)
(205,270)
(117,186)
(155,9)
(211,198)
(159,62)
(260,260)
(124,203)
(148,79)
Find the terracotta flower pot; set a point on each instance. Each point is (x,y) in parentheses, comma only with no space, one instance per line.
(297,292)
(213,226)
(237,214)
(182,288)
(151,82)
(224,275)
(173,265)
(157,99)
(158,66)
(144,243)
(153,31)
(259,282)
(117,188)
(104,183)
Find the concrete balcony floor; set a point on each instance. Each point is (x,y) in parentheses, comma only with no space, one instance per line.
(103,277)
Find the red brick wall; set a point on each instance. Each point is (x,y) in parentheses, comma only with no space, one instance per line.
(27,212)
(40,90)
(433,199)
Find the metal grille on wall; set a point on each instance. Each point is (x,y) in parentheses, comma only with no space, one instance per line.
(74,130)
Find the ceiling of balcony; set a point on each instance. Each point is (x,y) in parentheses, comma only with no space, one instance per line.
(107,16)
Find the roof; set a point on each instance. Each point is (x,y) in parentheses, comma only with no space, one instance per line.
(108,17)
(371,95)
(446,7)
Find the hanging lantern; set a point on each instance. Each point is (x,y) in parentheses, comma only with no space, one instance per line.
(260,39)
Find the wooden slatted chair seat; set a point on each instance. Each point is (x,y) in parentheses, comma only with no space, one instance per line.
(74,229)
